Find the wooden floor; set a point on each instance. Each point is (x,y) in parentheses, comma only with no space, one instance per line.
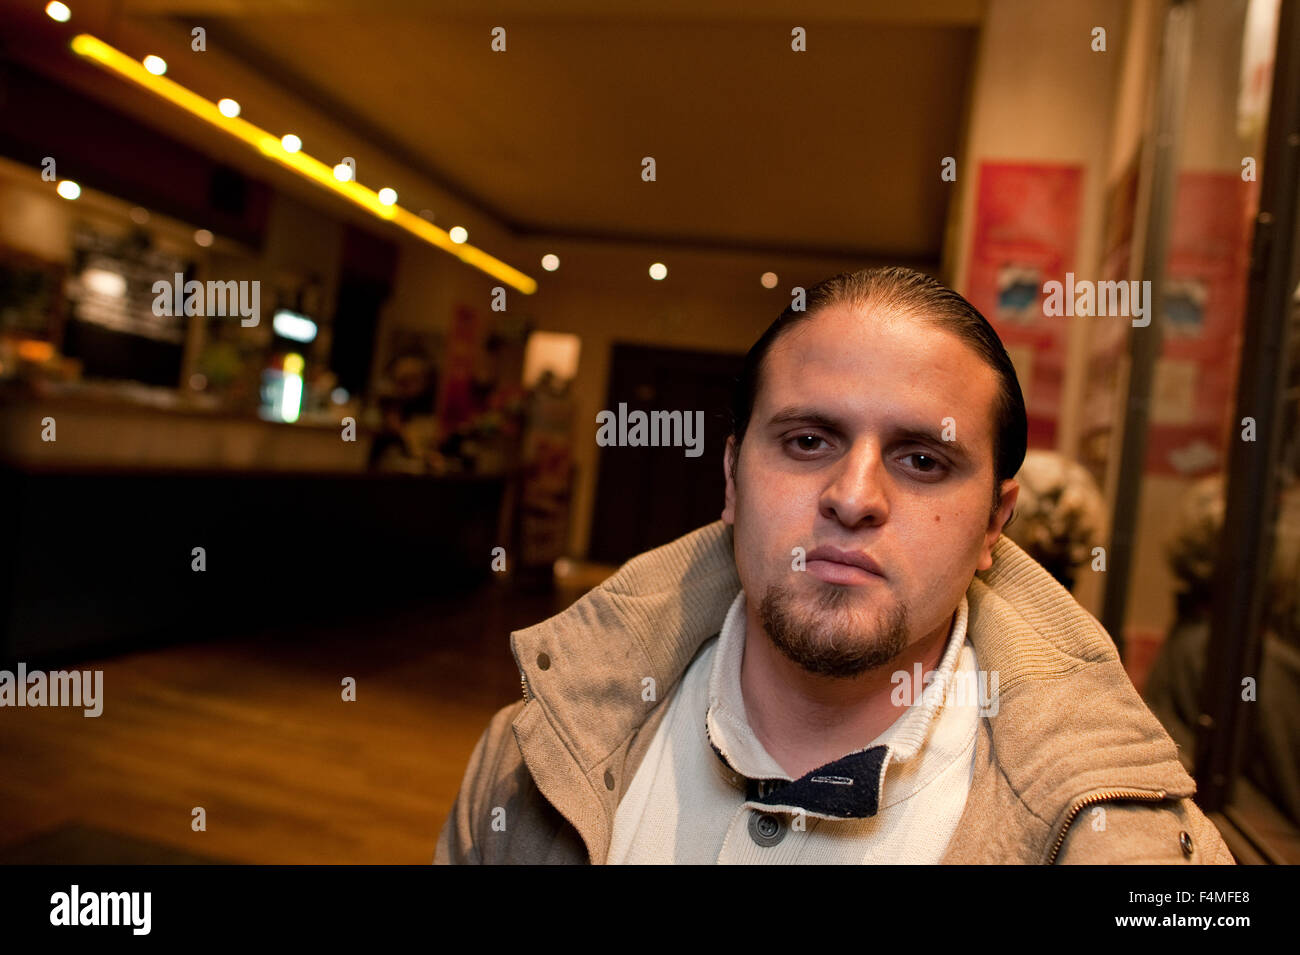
(255,731)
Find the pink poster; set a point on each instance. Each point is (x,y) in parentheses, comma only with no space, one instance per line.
(1026,226)
(1193,394)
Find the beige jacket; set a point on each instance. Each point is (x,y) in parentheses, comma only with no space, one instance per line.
(1072,768)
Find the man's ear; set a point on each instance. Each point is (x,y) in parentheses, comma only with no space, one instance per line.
(729,496)
(1010,491)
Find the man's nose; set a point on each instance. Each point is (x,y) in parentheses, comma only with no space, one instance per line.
(857,492)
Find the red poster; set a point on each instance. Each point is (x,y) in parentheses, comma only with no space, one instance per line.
(1026,227)
(1193,394)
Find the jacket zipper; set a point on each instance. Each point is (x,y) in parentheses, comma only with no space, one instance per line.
(1106,795)
(523,685)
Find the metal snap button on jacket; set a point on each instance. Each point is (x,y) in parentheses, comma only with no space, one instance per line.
(1185,842)
(543,661)
(609,780)
(765,829)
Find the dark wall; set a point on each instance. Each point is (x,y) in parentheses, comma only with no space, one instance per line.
(113,153)
(367,270)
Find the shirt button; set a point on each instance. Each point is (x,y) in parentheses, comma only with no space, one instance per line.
(765,829)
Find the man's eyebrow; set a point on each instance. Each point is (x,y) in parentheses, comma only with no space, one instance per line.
(812,416)
(796,414)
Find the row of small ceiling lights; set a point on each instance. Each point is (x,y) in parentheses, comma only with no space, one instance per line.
(292,143)
(230,109)
(342,172)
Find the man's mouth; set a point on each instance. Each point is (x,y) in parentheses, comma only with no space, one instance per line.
(847,567)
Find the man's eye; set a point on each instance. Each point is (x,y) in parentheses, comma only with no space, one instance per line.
(925,462)
(801,441)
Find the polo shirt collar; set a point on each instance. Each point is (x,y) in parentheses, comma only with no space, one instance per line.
(846,788)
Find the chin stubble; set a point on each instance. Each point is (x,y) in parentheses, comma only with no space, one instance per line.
(824,641)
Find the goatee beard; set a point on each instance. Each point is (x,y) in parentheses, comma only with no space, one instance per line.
(825,640)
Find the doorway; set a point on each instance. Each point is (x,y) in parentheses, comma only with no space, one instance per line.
(648,496)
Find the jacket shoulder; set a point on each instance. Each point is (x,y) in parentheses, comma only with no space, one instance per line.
(458,842)
(499,816)
(1175,832)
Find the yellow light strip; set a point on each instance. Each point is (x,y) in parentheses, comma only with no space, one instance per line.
(269,146)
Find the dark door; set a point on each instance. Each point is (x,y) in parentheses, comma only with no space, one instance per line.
(647,496)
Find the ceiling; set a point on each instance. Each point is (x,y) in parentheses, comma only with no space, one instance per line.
(833,151)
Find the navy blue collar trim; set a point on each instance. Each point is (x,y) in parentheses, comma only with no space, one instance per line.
(845,788)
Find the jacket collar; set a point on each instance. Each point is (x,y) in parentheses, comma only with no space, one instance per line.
(593,674)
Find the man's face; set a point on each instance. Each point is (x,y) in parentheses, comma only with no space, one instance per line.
(846,449)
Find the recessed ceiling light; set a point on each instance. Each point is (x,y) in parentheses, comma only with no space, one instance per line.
(58,11)
(290,142)
(155,65)
(769,280)
(387,196)
(68,189)
(658,271)
(458,233)
(228,107)
(550,262)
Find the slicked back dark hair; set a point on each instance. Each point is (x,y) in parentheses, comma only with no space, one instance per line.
(906,292)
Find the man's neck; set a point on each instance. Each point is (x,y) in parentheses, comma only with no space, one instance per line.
(805,720)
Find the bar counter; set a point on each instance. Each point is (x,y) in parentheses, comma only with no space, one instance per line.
(101,527)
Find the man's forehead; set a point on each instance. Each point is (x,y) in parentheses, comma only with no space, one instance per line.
(854,364)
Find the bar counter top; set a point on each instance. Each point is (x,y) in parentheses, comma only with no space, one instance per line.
(116,426)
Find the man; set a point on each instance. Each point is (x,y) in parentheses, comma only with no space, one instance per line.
(852,665)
